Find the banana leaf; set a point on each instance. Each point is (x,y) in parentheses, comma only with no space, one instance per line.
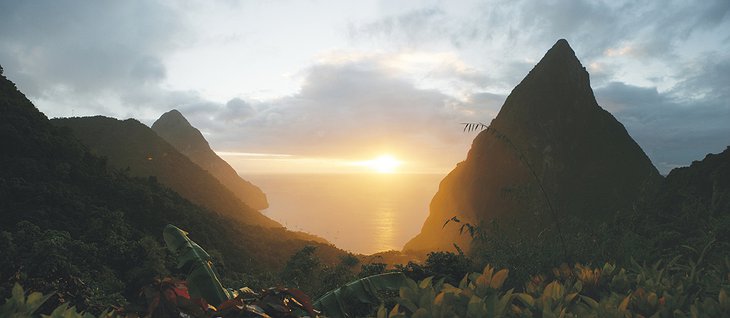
(202,278)
(338,303)
(18,305)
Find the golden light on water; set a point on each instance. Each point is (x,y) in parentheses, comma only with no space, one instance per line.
(385,228)
(361,212)
(382,164)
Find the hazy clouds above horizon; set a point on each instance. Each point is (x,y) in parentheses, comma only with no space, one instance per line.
(353,79)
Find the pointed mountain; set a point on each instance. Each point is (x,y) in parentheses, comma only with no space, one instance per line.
(550,133)
(131,144)
(175,129)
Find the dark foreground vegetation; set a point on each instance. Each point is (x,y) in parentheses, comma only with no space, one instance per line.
(677,288)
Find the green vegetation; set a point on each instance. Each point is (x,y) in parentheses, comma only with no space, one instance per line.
(442,265)
(176,130)
(357,297)
(72,226)
(20,306)
(201,277)
(131,146)
(661,290)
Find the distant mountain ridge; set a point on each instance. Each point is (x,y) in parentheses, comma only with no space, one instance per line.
(550,126)
(175,129)
(693,204)
(131,144)
(706,182)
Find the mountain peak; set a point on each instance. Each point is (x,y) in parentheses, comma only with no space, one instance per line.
(550,139)
(562,45)
(560,50)
(561,67)
(176,130)
(173,127)
(173,118)
(556,86)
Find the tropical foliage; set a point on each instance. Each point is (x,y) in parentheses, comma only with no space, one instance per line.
(21,306)
(359,296)
(671,289)
(659,290)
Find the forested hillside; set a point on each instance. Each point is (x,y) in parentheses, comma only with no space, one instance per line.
(72,224)
(175,129)
(129,144)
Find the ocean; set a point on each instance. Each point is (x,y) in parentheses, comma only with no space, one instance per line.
(361,213)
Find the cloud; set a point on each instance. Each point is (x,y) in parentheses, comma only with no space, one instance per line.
(413,27)
(410,73)
(596,26)
(236,110)
(659,67)
(91,55)
(354,109)
(706,77)
(650,36)
(680,125)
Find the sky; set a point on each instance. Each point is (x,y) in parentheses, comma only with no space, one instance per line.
(323,86)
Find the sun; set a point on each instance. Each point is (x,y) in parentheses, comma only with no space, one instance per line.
(383,164)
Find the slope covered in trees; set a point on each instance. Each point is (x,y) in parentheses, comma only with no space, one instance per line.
(692,208)
(131,144)
(70,223)
(175,129)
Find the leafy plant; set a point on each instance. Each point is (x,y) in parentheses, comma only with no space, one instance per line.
(659,290)
(477,295)
(367,291)
(201,277)
(447,265)
(306,271)
(663,289)
(203,288)
(20,306)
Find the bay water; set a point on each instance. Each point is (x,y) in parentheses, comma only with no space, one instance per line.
(361,213)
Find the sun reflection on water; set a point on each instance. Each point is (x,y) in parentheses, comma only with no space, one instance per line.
(362,213)
(384,226)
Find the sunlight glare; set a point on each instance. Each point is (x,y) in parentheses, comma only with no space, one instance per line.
(383,164)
